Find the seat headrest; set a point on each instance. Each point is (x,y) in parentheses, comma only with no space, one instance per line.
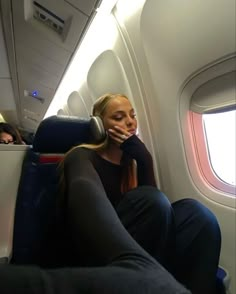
(57,134)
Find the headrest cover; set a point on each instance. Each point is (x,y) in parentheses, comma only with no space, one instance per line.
(57,134)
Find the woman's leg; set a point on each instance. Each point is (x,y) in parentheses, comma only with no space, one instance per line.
(148,216)
(128,267)
(198,243)
(104,280)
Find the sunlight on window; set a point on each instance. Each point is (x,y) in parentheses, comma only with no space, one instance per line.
(220,135)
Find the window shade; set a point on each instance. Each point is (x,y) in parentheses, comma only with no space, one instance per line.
(215,95)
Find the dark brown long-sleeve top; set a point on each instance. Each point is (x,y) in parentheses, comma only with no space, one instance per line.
(110,173)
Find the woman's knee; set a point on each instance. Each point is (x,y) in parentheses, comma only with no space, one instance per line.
(148,197)
(198,214)
(201,211)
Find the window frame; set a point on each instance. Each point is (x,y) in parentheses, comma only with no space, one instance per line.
(189,128)
(203,157)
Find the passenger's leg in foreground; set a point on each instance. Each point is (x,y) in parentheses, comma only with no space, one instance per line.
(106,280)
(129,267)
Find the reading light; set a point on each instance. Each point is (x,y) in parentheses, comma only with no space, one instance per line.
(34,94)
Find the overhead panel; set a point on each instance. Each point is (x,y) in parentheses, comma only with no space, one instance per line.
(4,68)
(46,34)
(84,5)
(76,105)
(107,74)
(7,96)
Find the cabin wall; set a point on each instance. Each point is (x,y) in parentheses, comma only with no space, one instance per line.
(178,47)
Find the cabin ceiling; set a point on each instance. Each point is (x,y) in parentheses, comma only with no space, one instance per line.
(41,37)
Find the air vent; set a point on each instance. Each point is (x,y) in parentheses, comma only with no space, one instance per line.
(48,18)
(31,118)
(29,112)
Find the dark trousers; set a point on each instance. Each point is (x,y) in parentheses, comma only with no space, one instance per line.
(182,231)
(183,236)
(127,268)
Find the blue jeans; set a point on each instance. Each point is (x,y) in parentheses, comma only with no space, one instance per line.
(183,236)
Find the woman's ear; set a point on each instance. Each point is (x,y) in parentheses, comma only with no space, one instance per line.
(97,129)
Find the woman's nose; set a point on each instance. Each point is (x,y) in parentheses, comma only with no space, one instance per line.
(129,121)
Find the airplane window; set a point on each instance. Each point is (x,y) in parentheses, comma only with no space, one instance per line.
(220,136)
(210,136)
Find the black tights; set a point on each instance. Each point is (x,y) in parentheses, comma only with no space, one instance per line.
(128,267)
(185,238)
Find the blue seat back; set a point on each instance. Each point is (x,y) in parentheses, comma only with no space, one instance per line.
(36,215)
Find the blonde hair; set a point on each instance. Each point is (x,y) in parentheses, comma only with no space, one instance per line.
(129,178)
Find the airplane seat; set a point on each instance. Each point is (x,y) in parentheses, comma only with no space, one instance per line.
(38,191)
(35,211)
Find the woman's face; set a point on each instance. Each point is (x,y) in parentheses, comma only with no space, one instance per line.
(119,112)
(6,138)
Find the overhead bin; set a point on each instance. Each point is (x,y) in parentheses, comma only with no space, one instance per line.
(7,96)
(86,6)
(55,21)
(41,38)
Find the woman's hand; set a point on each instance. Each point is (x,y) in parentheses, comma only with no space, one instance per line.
(118,134)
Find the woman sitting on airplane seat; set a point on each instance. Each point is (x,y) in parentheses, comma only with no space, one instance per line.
(184,236)
(124,234)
